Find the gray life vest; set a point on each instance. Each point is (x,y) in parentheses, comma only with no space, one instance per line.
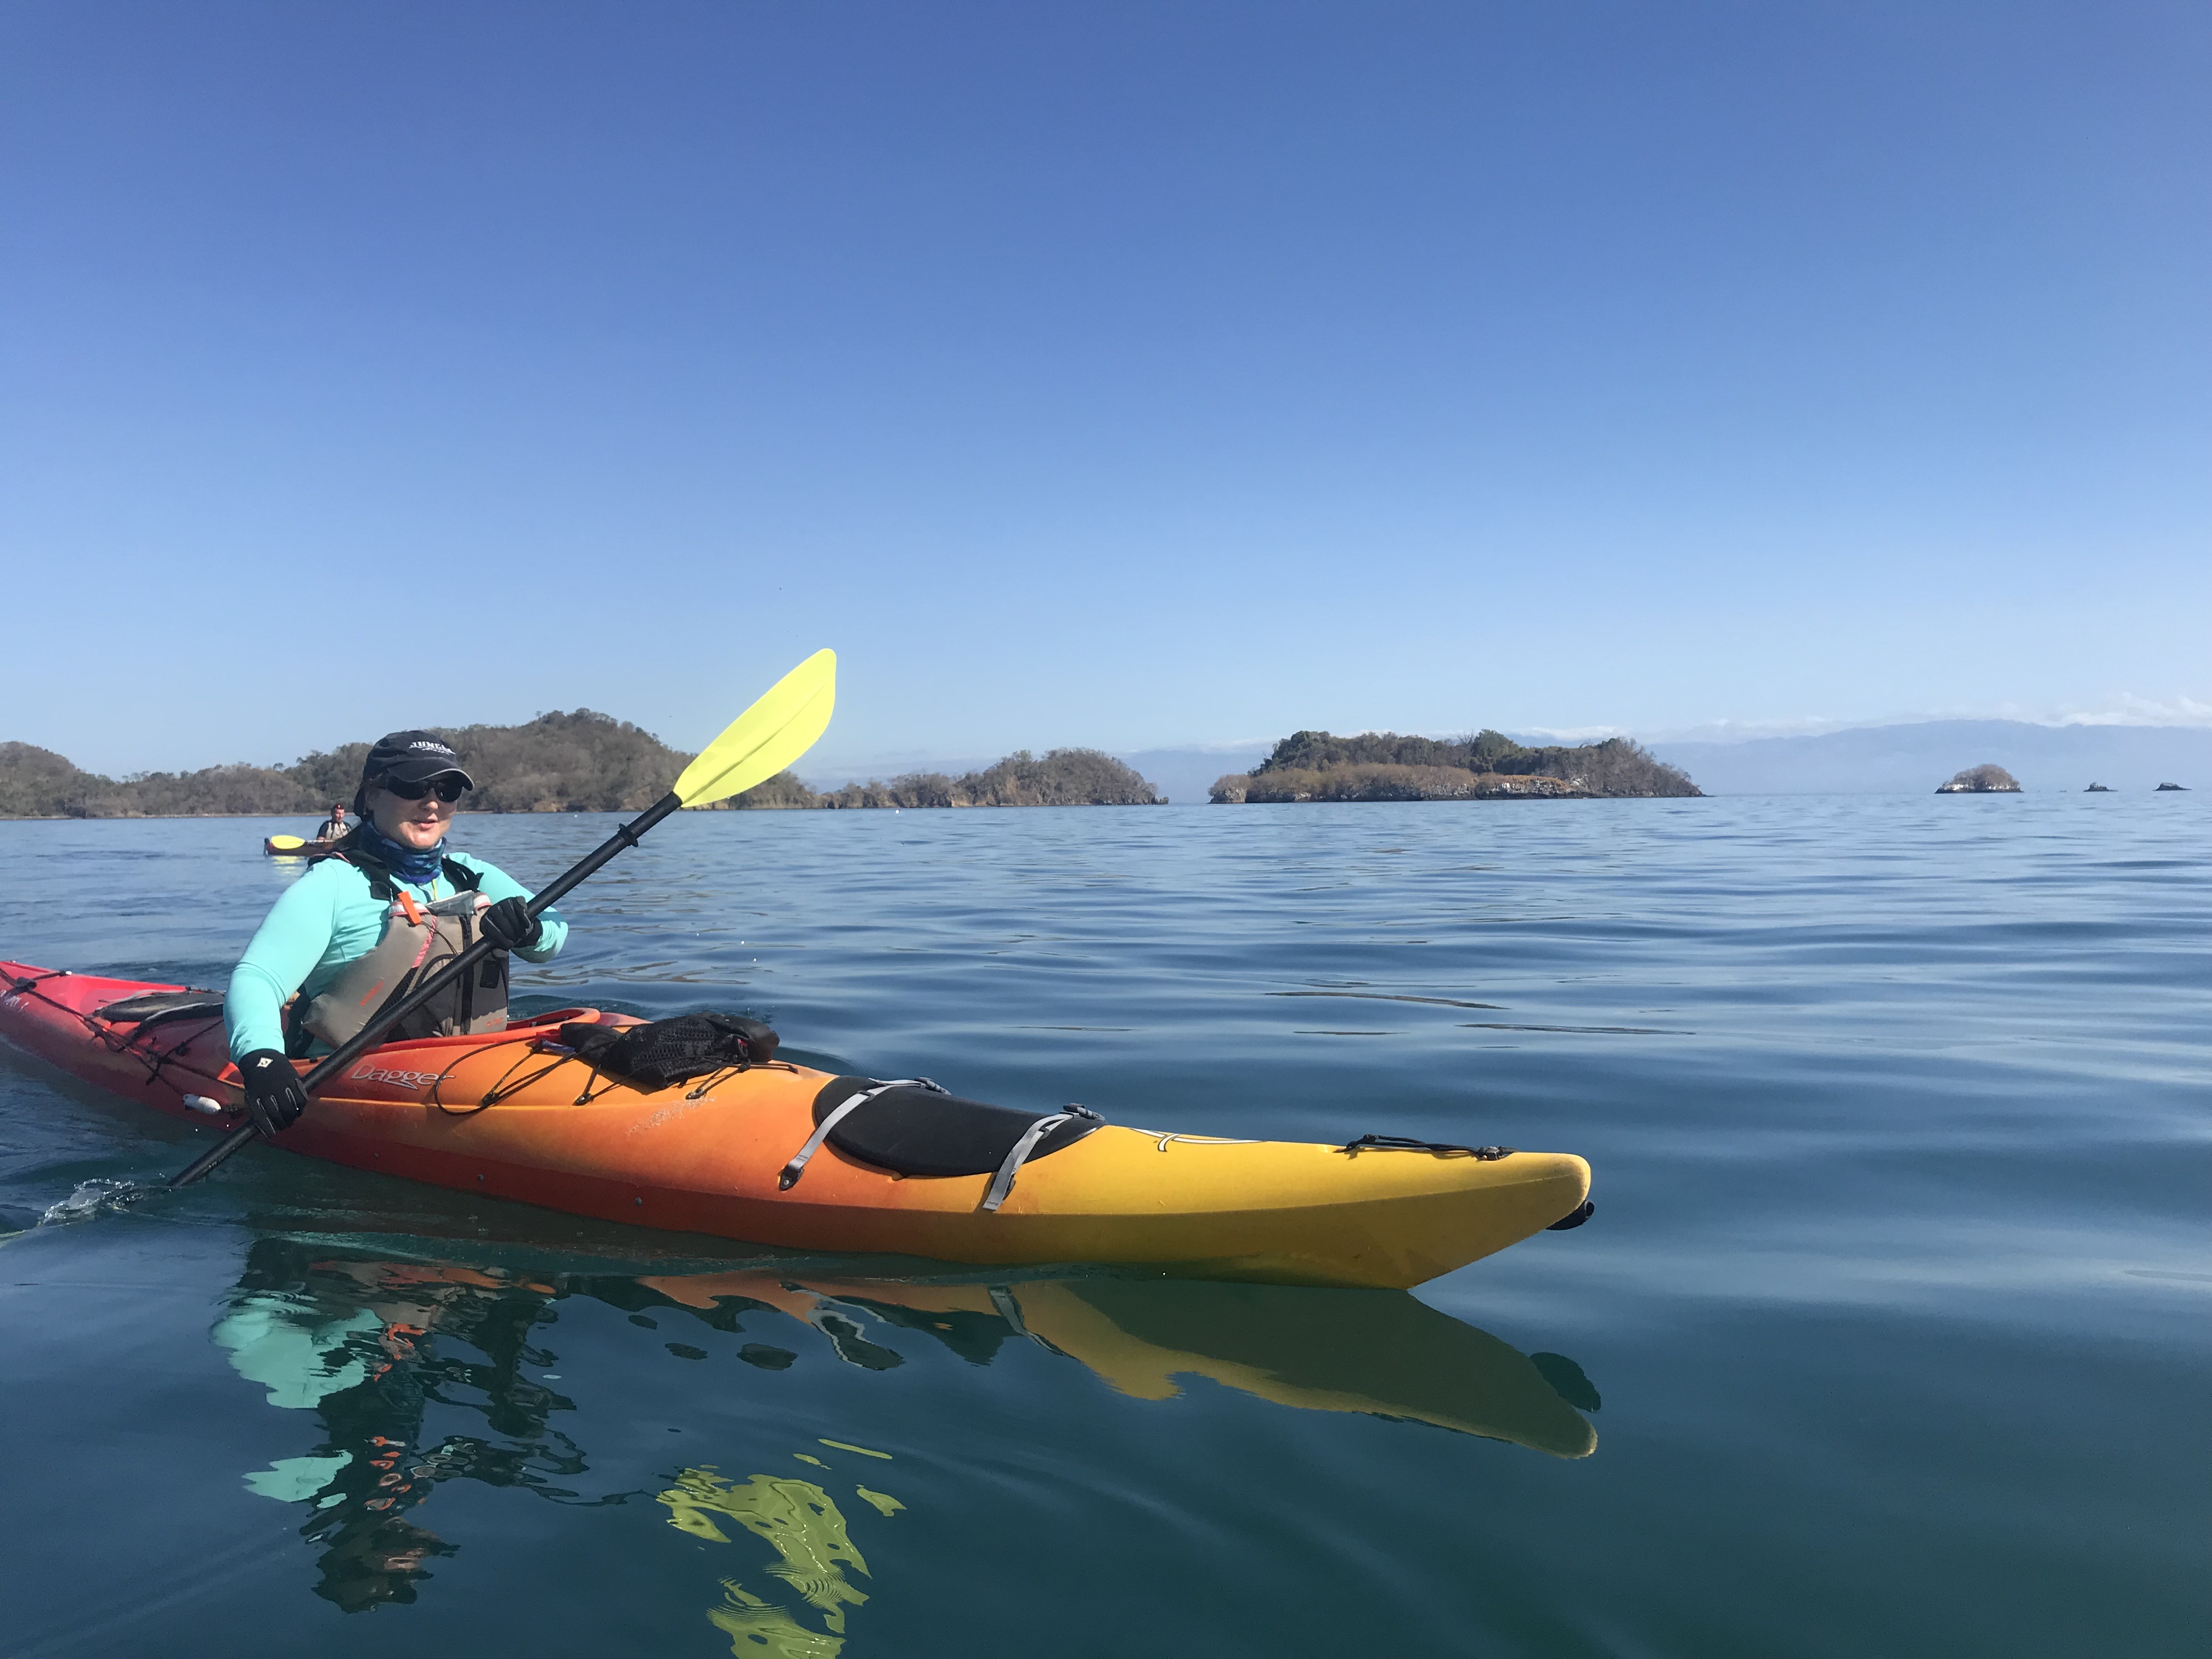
(417,941)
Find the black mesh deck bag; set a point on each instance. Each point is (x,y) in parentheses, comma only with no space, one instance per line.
(673,1050)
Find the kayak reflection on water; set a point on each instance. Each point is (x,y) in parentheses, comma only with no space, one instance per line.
(368,1343)
(1377,1352)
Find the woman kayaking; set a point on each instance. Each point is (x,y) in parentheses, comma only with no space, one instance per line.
(364,927)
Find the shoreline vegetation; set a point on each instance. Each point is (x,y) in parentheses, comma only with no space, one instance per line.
(1059,777)
(586,762)
(583,761)
(1319,766)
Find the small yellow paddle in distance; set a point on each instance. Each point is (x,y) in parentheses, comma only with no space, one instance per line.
(756,745)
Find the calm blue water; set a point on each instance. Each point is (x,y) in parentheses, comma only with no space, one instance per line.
(1892,1325)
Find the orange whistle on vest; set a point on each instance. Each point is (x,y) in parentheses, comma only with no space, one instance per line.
(407,904)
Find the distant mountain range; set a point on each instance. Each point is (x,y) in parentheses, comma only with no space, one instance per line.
(1888,760)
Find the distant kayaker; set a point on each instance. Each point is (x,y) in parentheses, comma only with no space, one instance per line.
(333,826)
(366,925)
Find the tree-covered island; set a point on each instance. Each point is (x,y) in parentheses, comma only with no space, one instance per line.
(582,761)
(1488,766)
(1987,779)
(1059,777)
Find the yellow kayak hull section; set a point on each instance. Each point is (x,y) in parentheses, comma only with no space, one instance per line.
(1280,1211)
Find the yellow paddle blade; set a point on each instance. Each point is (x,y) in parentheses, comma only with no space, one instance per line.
(286,842)
(767,736)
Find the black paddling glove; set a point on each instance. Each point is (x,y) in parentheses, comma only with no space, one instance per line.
(273,1098)
(509,926)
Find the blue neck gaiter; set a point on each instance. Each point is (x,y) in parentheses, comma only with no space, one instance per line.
(416,868)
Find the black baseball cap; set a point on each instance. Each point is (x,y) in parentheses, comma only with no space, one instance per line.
(412,757)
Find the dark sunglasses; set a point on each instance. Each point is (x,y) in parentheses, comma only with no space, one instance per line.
(450,788)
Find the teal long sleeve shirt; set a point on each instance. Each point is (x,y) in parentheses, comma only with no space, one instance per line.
(325,920)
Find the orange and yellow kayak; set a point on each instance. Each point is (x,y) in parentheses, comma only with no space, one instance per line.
(512,1115)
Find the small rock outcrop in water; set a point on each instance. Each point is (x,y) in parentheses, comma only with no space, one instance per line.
(2182,787)
(1982,780)
(2096,789)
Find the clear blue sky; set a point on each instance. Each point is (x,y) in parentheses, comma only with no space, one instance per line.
(1119,374)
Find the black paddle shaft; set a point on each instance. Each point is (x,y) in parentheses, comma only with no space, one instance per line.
(392,1012)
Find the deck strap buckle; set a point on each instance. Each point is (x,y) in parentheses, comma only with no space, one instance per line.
(1003,1182)
(792,1170)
